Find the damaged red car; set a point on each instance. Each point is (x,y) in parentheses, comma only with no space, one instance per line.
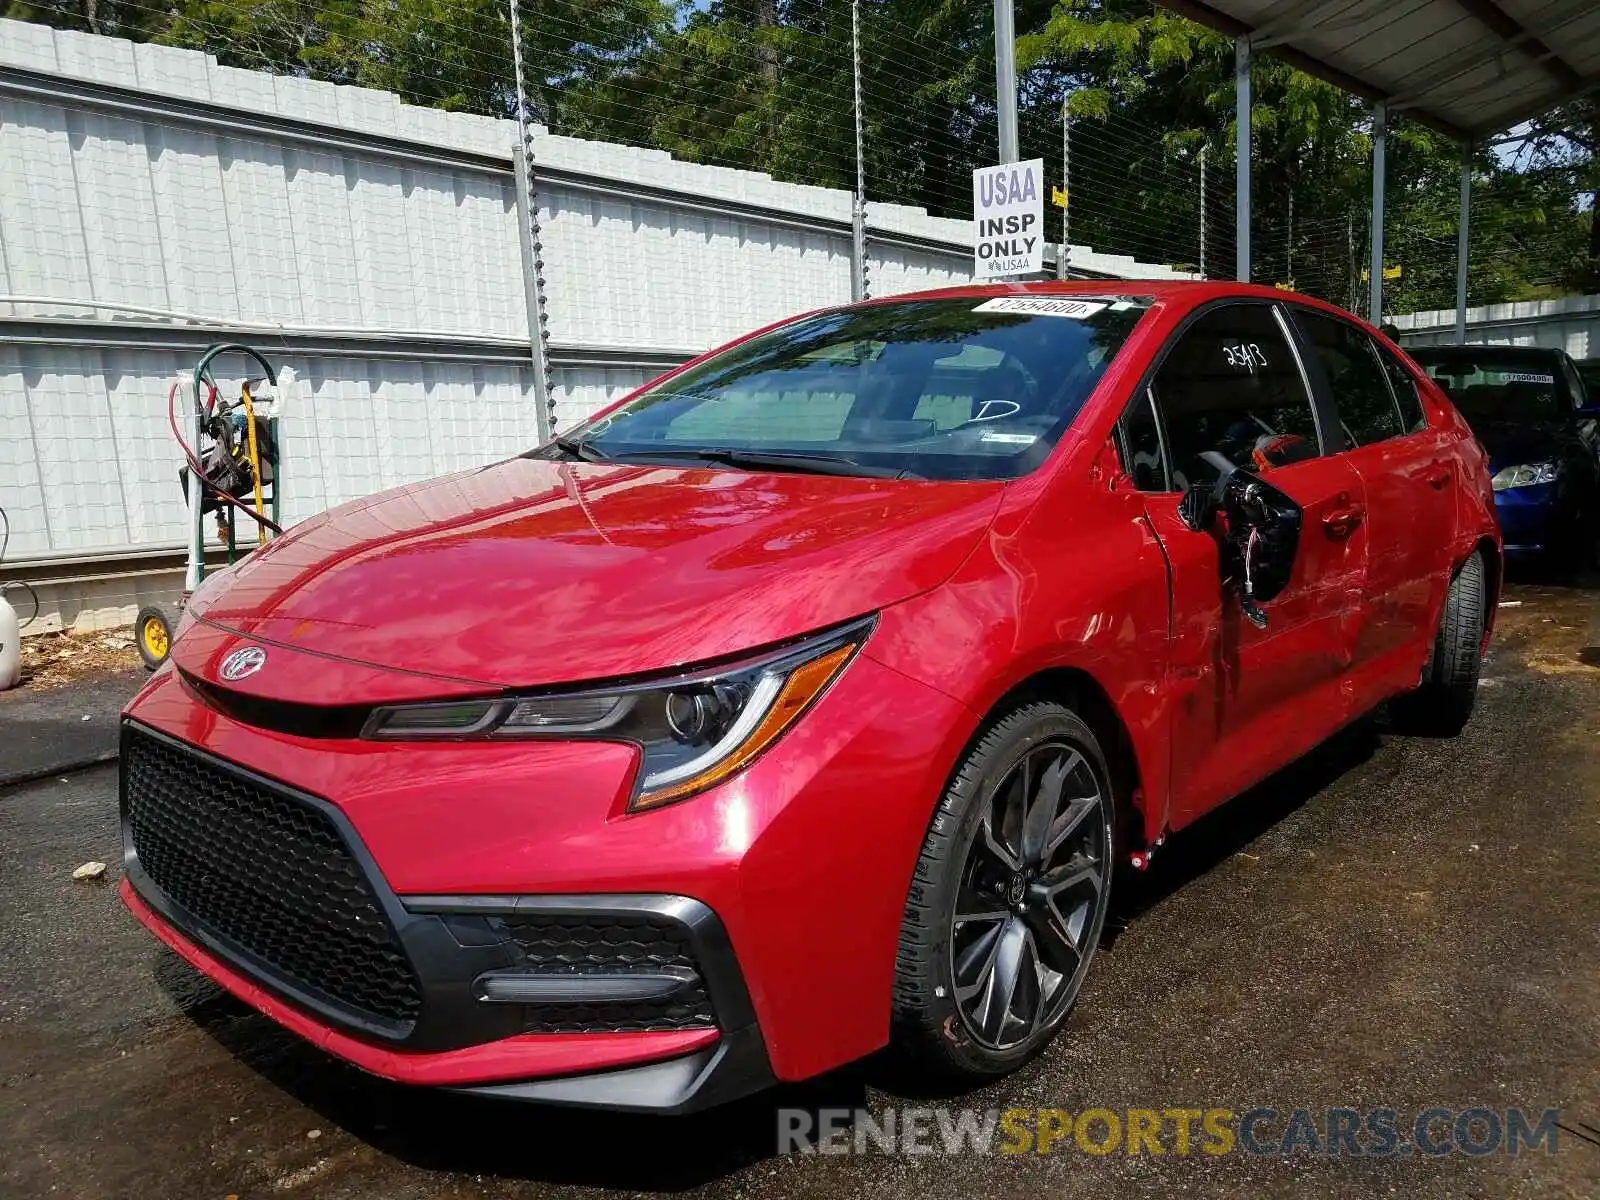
(805,700)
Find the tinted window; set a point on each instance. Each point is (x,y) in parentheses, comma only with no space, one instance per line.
(1231,385)
(1405,391)
(973,388)
(1575,385)
(1493,383)
(1366,405)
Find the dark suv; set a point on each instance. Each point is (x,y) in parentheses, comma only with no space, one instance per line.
(1529,408)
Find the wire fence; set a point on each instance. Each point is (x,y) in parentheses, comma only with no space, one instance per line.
(771,85)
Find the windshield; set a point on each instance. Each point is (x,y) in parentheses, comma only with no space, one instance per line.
(1497,385)
(935,389)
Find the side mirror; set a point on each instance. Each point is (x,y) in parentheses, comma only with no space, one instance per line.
(1260,534)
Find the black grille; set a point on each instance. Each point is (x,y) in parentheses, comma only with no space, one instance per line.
(568,943)
(281,716)
(266,872)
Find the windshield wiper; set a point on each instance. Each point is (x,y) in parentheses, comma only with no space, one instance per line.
(579,448)
(785,460)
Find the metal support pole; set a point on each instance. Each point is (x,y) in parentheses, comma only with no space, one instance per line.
(1064,259)
(1203,150)
(1461,243)
(1241,89)
(1380,131)
(859,286)
(195,568)
(1005,79)
(531,245)
(1288,249)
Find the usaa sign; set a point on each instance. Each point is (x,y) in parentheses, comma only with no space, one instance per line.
(1008,219)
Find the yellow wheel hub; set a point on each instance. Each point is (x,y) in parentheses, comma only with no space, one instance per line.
(154,634)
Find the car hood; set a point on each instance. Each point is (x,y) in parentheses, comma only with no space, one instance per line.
(1511,443)
(535,572)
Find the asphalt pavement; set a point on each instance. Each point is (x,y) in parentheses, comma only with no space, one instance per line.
(45,732)
(1392,922)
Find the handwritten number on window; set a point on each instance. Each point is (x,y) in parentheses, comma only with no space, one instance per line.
(1245,356)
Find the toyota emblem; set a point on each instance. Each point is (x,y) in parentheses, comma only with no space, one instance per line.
(243,663)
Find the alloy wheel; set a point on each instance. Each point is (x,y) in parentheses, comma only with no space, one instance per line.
(1028,907)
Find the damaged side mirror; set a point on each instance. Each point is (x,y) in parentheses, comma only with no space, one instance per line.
(1259,530)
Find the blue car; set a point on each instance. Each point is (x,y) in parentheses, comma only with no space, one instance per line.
(1528,407)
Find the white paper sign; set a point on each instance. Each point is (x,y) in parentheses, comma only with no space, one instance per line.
(1008,219)
(1043,306)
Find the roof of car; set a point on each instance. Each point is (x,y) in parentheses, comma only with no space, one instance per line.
(1194,290)
(1186,291)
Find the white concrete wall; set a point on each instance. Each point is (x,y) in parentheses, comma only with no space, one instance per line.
(1571,324)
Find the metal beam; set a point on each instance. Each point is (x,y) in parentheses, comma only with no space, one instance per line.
(1463,221)
(1005,79)
(1514,34)
(1380,130)
(1198,10)
(1241,156)
(195,338)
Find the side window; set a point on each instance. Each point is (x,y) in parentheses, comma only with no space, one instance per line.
(1349,359)
(1141,446)
(1232,385)
(1575,387)
(1406,396)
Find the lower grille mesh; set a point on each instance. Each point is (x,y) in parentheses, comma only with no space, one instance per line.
(568,943)
(268,873)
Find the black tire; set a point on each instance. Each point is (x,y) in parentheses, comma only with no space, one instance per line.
(152,633)
(952,1032)
(1443,702)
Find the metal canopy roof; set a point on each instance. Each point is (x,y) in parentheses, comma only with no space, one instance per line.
(1468,68)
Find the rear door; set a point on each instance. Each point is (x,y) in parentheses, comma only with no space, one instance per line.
(1246,700)
(1406,473)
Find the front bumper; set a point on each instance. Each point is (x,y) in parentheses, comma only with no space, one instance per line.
(641,994)
(787,883)
(1525,517)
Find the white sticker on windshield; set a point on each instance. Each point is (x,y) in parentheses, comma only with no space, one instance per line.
(1524,377)
(1010,439)
(1042,306)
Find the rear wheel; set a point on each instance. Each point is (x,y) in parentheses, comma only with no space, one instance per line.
(1443,702)
(1008,898)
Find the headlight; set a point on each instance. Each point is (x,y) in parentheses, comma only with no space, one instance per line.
(1525,475)
(693,730)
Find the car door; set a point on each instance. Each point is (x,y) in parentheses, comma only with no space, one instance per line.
(1585,461)
(1405,472)
(1244,700)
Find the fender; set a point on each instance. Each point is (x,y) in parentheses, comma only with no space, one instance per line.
(1049,597)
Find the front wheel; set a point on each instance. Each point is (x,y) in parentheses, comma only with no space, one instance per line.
(1008,897)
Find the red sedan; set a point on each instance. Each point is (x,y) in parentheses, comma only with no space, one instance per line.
(805,700)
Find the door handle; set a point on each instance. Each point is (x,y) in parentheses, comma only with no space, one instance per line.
(1438,477)
(1342,522)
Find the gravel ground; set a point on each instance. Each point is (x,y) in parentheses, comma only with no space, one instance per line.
(1391,922)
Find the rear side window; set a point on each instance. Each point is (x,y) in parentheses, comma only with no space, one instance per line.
(1405,391)
(1360,390)
(1231,385)
(1580,395)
